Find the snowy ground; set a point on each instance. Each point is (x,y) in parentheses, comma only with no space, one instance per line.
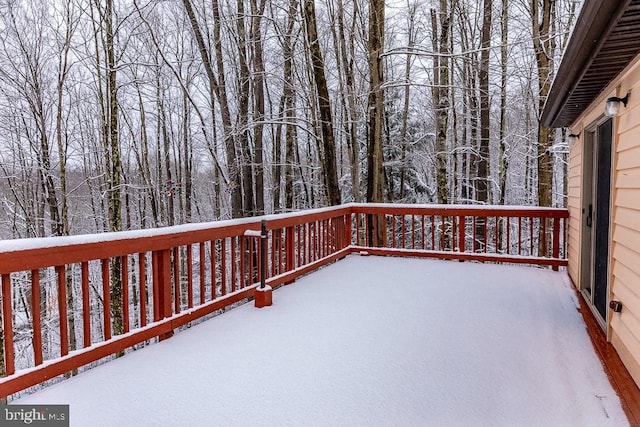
(367,341)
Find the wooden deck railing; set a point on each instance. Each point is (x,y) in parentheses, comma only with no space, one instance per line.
(527,235)
(96,296)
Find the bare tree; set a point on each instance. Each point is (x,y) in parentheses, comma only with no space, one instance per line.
(328,156)
(544,42)
(440,93)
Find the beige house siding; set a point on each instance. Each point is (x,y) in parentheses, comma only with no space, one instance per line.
(574,190)
(623,328)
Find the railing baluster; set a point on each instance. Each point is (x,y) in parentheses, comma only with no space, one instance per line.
(413,232)
(290,249)
(35,313)
(189,276)
(463,234)
(454,233)
(155,285)
(433,233)
(404,237)
(62,309)
(233,264)
(442,232)
(7,323)
(314,241)
(319,239)
(251,279)
(86,307)
(326,237)
(106,299)
(142,272)
(305,244)
(485,223)
(367,235)
(393,231)
(300,245)
(347,227)
(223,266)
(320,247)
(243,260)
(280,247)
(496,237)
(556,241)
(544,236)
(507,230)
(212,271)
(124,265)
(519,235)
(201,266)
(176,280)
(531,236)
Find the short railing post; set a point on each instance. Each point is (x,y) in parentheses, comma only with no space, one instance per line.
(263,293)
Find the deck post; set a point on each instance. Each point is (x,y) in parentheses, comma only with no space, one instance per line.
(163,260)
(263,294)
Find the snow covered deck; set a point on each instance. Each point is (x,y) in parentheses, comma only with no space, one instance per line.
(367,341)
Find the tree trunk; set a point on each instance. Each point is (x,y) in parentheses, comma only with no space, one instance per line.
(258,101)
(503,160)
(544,46)
(345,53)
(406,98)
(440,94)
(328,156)
(114,168)
(219,90)
(375,172)
(245,181)
(482,181)
(483,178)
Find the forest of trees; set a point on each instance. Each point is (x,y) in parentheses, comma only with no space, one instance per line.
(127,114)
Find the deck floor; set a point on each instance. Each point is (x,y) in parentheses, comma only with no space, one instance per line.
(367,341)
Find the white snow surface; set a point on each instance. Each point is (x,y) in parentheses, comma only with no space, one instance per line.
(367,341)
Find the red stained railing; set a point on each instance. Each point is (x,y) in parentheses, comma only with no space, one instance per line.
(163,279)
(526,235)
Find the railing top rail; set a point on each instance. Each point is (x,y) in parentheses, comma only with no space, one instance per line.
(33,253)
(458,210)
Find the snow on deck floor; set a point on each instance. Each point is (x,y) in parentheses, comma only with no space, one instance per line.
(367,341)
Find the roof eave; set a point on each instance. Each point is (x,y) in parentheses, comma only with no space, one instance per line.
(596,21)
